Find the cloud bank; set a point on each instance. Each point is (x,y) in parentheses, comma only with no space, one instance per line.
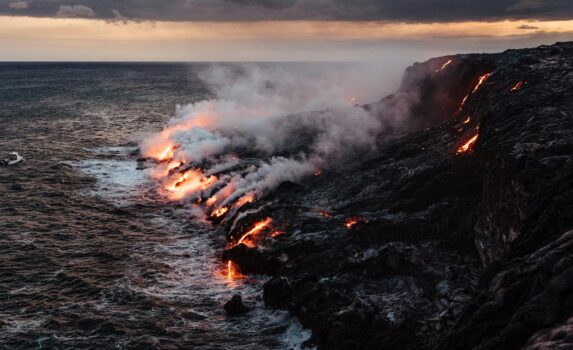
(255,10)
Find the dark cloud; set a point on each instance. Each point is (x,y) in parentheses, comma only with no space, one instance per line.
(527,27)
(272,4)
(251,10)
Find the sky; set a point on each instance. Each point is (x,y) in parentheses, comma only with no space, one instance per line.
(274,30)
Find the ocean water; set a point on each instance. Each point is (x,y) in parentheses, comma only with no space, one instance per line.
(91,257)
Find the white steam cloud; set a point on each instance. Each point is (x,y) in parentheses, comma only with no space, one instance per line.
(300,119)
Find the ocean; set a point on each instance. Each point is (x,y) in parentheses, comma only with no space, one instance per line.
(91,257)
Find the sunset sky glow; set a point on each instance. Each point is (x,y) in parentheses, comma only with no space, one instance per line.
(271,30)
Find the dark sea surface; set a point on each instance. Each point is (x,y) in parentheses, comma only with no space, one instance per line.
(90,256)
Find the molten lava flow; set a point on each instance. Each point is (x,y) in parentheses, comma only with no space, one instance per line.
(324,214)
(166,153)
(468,120)
(188,183)
(174,165)
(444,65)
(208,182)
(277,233)
(517,86)
(468,145)
(482,80)
(463,103)
(231,271)
(162,171)
(351,222)
(259,226)
(211,201)
(249,198)
(217,213)
(318,173)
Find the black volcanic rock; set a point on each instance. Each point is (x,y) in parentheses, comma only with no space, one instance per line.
(277,292)
(451,249)
(235,306)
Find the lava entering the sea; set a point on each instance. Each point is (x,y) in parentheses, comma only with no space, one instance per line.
(187,183)
(231,270)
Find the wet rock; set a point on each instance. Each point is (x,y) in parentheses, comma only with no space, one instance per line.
(235,306)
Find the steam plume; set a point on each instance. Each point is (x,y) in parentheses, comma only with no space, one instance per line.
(266,115)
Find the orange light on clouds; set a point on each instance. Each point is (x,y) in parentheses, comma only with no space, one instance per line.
(86,29)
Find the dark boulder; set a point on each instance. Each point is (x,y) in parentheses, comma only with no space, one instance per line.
(235,306)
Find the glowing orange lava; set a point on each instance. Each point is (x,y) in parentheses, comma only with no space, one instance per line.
(468,145)
(468,120)
(482,80)
(230,270)
(167,153)
(188,183)
(463,102)
(517,86)
(217,213)
(249,198)
(318,173)
(444,65)
(259,226)
(350,222)
(211,201)
(277,233)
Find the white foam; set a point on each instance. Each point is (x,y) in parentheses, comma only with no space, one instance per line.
(117,178)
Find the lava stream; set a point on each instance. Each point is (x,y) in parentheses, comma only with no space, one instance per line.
(444,65)
(482,80)
(468,145)
(517,86)
(259,226)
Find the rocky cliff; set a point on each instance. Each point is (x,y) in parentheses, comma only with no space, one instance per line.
(455,234)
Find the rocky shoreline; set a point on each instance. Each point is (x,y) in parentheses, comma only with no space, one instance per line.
(455,234)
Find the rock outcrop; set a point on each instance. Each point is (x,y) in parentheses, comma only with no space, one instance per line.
(455,235)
